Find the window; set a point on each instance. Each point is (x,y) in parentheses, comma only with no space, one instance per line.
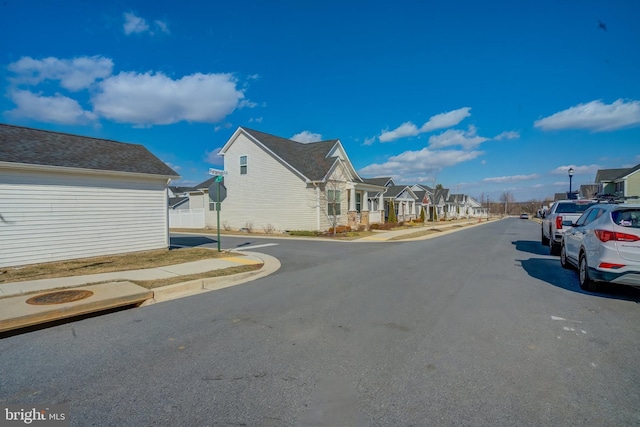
(333,202)
(620,188)
(243,165)
(358,202)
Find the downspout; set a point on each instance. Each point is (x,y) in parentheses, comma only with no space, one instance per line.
(166,192)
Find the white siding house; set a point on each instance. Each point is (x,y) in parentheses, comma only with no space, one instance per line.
(278,184)
(67,196)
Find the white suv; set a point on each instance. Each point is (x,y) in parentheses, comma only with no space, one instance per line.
(604,244)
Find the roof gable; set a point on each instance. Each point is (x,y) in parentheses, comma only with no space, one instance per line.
(607,175)
(45,148)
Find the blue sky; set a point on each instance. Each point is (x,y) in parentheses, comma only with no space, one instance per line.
(486,97)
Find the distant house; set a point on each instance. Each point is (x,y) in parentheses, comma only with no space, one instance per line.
(278,184)
(67,196)
(621,182)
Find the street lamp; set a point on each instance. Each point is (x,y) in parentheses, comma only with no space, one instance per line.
(570,178)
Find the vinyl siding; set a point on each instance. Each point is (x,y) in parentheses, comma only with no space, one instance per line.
(59,216)
(269,194)
(632,187)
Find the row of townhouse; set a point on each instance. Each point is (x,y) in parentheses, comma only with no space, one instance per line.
(274,183)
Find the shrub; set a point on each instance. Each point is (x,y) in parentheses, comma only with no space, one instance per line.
(392,213)
(422,215)
(339,229)
(249,227)
(268,229)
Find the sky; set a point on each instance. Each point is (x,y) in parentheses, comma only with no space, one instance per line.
(481,97)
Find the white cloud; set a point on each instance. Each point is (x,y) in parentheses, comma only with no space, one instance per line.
(162,26)
(51,109)
(512,178)
(222,126)
(257,120)
(75,74)
(587,169)
(150,99)
(306,137)
(404,130)
(446,120)
(594,116)
(213,158)
(507,135)
(412,164)
(439,121)
(134,24)
(369,141)
(467,140)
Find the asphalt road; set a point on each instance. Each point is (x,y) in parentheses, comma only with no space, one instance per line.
(478,327)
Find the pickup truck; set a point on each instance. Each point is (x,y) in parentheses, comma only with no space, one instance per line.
(561,214)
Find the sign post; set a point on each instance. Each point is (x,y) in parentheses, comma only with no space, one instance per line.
(219,178)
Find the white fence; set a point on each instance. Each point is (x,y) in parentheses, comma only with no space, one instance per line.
(186,218)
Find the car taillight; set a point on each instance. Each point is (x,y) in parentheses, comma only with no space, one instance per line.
(605,236)
(558,223)
(610,265)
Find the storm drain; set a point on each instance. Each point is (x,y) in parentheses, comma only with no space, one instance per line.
(59,297)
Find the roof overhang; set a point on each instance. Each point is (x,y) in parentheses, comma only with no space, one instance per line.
(63,169)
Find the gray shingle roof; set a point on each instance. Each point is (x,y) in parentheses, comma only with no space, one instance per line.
(309,159)
(40,147)
(610,174)
(381,181)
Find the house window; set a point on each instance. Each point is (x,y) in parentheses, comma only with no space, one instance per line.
(620,188)
(243,165)
(212,204)
(333,202)
(358,202)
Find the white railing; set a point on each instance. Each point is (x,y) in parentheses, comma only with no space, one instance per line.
(375,217)
(186,218)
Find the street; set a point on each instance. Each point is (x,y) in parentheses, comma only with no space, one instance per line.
(477,327)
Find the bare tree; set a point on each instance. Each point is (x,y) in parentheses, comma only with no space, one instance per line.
(506,197)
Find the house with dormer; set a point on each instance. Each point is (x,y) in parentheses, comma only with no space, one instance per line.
(278,184)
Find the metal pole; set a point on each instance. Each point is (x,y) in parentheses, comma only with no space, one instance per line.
(218,210)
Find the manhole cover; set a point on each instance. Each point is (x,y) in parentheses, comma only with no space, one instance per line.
(59,297)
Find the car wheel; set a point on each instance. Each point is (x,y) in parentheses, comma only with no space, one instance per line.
(583,273)
(543,239)
(563,258)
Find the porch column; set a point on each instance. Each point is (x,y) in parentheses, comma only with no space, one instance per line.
(352,215)
(365,201)
(381,207)
(352,199)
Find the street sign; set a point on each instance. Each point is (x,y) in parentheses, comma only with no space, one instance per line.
(213,191)
(217,172)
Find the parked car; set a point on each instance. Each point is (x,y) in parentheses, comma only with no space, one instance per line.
(560,215)
(604,244)
(524,216)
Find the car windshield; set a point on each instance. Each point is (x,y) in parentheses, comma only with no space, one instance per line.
(572,207)
(627,217)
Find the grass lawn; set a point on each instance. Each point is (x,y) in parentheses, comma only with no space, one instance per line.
(111,263)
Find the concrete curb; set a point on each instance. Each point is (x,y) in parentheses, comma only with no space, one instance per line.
(193,287)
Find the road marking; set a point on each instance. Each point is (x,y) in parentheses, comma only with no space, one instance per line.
(242,248)
(566,320)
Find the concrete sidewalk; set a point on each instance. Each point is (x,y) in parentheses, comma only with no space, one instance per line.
(50,299)
(452,226)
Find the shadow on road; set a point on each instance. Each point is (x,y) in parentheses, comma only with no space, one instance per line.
(531,246)
(192,241)
(550,271)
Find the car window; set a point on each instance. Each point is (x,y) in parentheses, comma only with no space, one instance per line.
(583,218)
(592,215)
(573,207)
(627,217)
